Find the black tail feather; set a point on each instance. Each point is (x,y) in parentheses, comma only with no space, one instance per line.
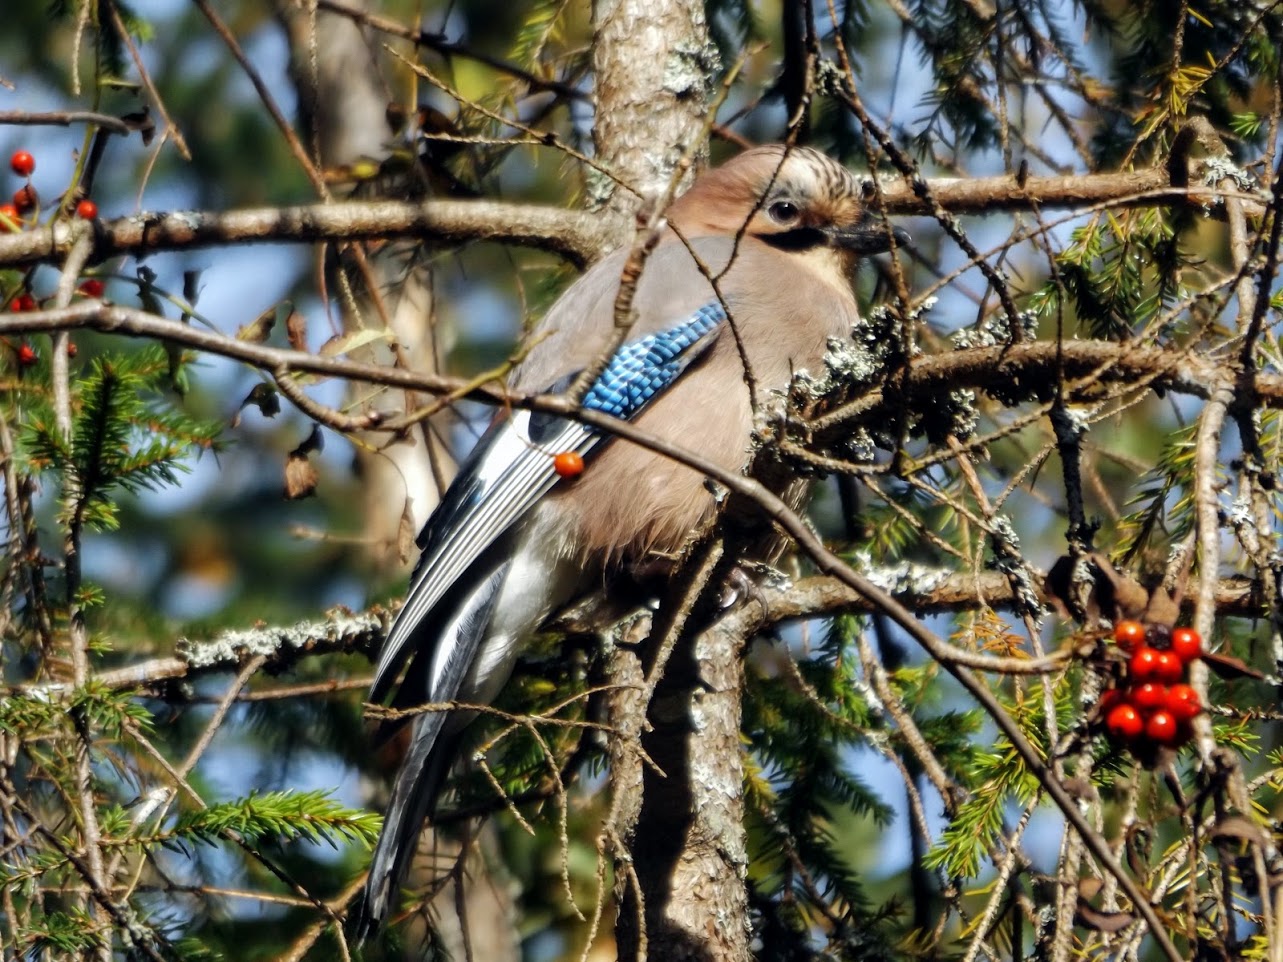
(433,747)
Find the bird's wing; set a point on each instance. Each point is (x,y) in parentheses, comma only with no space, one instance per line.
(511,468)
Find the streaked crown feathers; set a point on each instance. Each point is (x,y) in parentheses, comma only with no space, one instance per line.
(770,189)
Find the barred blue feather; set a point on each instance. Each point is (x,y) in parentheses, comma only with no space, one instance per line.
(640,370)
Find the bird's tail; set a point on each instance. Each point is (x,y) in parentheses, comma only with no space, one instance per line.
(433,747)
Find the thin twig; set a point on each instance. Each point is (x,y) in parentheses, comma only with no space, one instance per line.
(64,118)
(172,129)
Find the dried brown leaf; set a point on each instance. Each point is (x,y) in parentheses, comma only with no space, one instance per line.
(1227,666)
(296,330)
(1111,594)
(300,477)
(405,534)
(1162,608)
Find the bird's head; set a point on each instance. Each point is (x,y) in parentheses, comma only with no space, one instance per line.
(792,198)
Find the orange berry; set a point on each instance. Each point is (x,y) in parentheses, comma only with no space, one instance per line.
(1168,668)
(1183,702)
(1149,696)
(568,464)
(1144,664)
(1109,699)
(1162,728)
(1129,635)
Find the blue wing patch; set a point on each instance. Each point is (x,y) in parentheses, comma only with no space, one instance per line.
(642,369)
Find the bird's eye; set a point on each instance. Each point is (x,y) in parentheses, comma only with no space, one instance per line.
(783,212)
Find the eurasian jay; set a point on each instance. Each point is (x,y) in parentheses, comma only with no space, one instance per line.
(778,230)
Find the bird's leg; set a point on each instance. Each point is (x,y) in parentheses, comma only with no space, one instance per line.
(745,580)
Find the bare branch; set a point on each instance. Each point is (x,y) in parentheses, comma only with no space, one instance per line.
(1020,369)
(579,236)
(64,118)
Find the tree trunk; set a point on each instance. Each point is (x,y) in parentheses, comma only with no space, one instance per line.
(688,848)
(654,69)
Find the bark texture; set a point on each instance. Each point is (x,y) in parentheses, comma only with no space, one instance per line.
(682,874)
(688,849)
(654,67)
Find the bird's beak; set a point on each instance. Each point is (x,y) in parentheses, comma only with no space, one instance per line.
(869,236)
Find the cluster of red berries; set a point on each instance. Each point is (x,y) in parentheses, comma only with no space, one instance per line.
(1155,706)
(26,301)
(14,215)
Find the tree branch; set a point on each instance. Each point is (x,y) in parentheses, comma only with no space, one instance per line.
(579,236)
(1019,371)
(919,588)
(64,118)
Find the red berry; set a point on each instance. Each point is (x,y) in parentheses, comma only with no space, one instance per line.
(87,209)
(568,464)
(24,198)
(1129,635)
(1187,645)
(1149,696)
(9,218)
(1168,668)
(26,355)
(72,350)
(1144,664)
(23,163)
(1183,702)
(92,287)
(1162,728)
(28,302)
(1124,722)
